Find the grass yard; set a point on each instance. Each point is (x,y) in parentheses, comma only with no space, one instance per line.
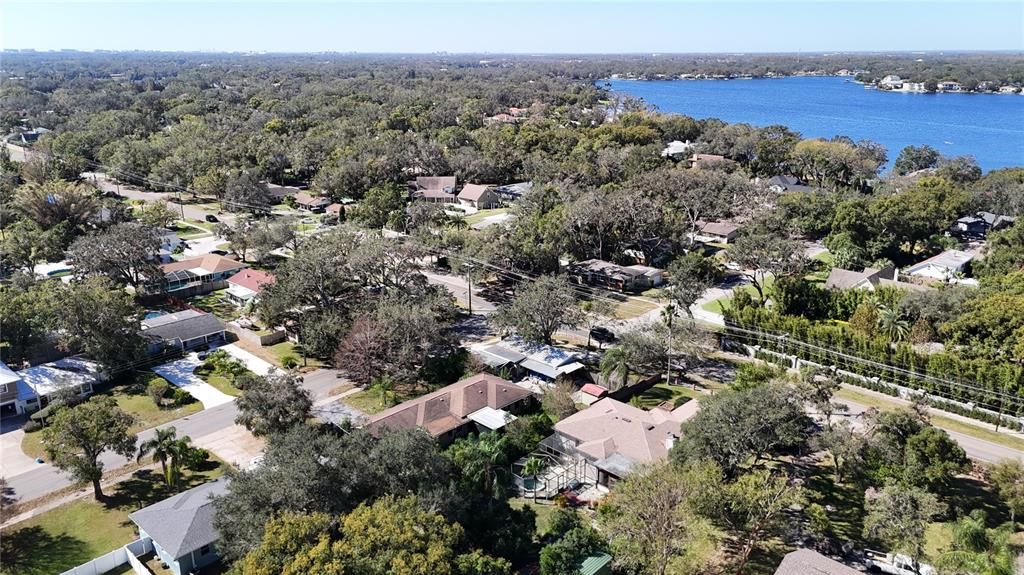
(223,384)
(369,400)
(483,214)
(716,306)
(81,530)
(542,510)
(944,422)
(274,354)
(663,392)
(633,307)
(131,397)
(217,303)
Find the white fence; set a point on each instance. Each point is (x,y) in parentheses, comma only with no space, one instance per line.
(127,554)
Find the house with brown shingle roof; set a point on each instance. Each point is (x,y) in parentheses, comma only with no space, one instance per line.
(311,203)
(440,189)
(807,562)
(478,403)
(199,275)
(480,196)
(614,438)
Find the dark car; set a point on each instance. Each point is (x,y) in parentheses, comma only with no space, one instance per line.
(602,334)
(211,218)
(219,252)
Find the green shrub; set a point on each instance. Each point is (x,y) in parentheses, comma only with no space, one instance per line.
(157,390)
(289,362)
(31,426)
(182,397)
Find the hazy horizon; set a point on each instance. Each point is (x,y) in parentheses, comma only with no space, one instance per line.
(515,27)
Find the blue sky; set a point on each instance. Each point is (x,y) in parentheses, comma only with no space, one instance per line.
(513,26)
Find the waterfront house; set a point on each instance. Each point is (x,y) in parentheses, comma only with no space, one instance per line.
(199,275)
(183,330)
(614,438)
(947,267)
(891,82)
(949,86)
(480,196)
(716,232)
(482,402)
(613,276)
(181,527)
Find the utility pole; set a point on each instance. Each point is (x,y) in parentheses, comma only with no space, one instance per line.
(469,280)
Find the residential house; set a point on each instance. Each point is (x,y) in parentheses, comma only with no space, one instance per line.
(677,150)
(479,196)
(780,184)
(279,193)
(30,136)
(520,358)
(181,527)
(589,393)
(181,330)
(480,402)
(949,86)
(169,244)
(246,285)
(1008,89)
(32,388)
(599,563)
(869,279)
(891,82)
(614,438)
(199,275)
(707,160)
(512,192)
(613,276)
(807,562)
(8,391)
(336,211)
(947,266)
(315,204)
(716,232)
(980,224)
(438,189)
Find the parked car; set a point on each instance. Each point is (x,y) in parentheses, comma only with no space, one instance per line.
(895,564)
(211,218)
(219,252)
(602,334)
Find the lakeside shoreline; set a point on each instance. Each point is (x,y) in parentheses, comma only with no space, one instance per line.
(849,78)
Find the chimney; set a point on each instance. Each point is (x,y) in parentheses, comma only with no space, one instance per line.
(670,440)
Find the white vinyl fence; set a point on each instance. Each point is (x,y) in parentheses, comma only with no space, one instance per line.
(127,554)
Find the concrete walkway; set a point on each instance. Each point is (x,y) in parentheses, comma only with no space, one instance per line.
(180,374)
(250,360)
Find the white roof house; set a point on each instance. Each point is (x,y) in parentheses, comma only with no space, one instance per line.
(545,361)
(944,267)
(41,381)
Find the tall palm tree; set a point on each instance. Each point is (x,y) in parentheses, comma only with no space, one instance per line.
(892,324)
(458,222)
(615,363)
(978,550)
(160,446)
(482,460)
(532,468)
(181,454)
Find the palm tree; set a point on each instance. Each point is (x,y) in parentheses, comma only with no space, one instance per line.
(482,460)
(458,221)
(892,324)
(160,446)
(615,362)
(181,455)
(532,468)
(384,388)
(978,550)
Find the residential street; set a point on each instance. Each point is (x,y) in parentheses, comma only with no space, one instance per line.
(211,428)
(132,193)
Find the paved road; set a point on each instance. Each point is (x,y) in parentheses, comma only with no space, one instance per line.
(191,212)
(206,424)
(979,449)
(459,289)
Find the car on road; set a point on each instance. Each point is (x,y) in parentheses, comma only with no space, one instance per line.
(602,334)
(211,218)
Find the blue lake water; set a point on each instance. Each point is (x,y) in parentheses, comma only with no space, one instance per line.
(989,127)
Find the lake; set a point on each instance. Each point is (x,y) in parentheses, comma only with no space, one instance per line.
(989,127)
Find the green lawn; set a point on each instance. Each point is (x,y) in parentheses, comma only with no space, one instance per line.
(663,392)
(81,530)
(217,303)
(369,401)
(285,348)
(716,306)
(131,397)
(482,214)
(543,511)
(222,384)
(633,307)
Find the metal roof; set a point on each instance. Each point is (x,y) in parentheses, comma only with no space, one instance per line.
(596,564)
(491,418)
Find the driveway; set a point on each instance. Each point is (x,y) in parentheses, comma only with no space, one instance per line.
(202,245)
(180,374)
(13,460)
(251,361)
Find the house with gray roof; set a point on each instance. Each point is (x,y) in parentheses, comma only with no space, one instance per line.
(980,224)
(181,527)
(807,562)
(869,279)
(182,330)
(949,266)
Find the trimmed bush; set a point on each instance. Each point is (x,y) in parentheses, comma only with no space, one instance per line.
(157,390)
(31,426)
(289,362)
(182,397)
